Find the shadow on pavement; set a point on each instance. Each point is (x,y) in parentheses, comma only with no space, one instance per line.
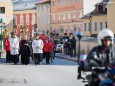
(56,61)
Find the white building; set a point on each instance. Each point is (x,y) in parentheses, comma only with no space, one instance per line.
(43,16)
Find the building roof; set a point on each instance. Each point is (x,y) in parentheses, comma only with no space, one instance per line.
(99,12)
(86,16)
(42,1)
(24,4)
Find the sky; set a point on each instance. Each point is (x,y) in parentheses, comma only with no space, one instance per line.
(89,5)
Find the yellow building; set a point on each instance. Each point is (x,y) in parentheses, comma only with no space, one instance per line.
(111,15)
(96,20)
(6,13)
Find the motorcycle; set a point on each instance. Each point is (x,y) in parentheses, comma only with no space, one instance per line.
(100,76)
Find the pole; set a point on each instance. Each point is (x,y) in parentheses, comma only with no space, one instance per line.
(1,40)
(90,26)
(79,53)
(1,43)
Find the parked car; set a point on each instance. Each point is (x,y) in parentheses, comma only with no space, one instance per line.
(59,48)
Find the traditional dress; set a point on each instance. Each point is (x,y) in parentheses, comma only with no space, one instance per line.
(14,45)
(37,46)
(25,52)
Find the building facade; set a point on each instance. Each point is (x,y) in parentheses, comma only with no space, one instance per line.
(65,16)
(43,16)
(25,17)
(96,20)
(111,15)
(6,13)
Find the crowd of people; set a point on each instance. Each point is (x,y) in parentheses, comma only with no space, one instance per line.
(70,47)
(41,47)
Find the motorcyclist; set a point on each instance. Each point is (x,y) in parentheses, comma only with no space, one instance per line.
(102,55)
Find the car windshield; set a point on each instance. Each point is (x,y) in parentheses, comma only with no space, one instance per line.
(59,45)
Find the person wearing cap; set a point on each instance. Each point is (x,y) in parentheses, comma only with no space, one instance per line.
(14,45)
(102,55)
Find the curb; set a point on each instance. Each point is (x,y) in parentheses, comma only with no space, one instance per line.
(66,58)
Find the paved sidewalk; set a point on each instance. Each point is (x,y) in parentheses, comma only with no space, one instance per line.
(67,57)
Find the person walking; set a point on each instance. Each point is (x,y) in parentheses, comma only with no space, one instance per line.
(37,46)
(52,49)
(7,48)
(14,44)
(73,47)
(25,51)
(47,50)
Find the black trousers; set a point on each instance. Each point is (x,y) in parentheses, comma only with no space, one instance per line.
(37,57)
(73,51)
(8,56)
(15,58)
(47,55)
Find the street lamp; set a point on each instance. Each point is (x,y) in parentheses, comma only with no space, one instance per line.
(2,27)
(79,35)
(90,25)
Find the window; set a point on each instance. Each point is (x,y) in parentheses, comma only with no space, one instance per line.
(39,20)
(48,20)
(95,26)
(71,29)
(80,0)
(68,1)
(2,9)
(58,16)
(15,20)
(73,1)
(78,29)
(61,30)
(63,1)
(89,26)
(73,15)
(85,27)
(68,15)
(21,20)
(63,16)
(47,6)
(33,19)
(79,14)
(53,3)
(53,17)
(44,7)
(101,25)
(40,8)
(65,29)
(27,19)
(58,2)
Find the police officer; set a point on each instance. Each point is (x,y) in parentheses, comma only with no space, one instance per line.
(103,54)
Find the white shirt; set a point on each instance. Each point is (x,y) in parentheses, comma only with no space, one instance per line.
(38,43)
(14,45)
